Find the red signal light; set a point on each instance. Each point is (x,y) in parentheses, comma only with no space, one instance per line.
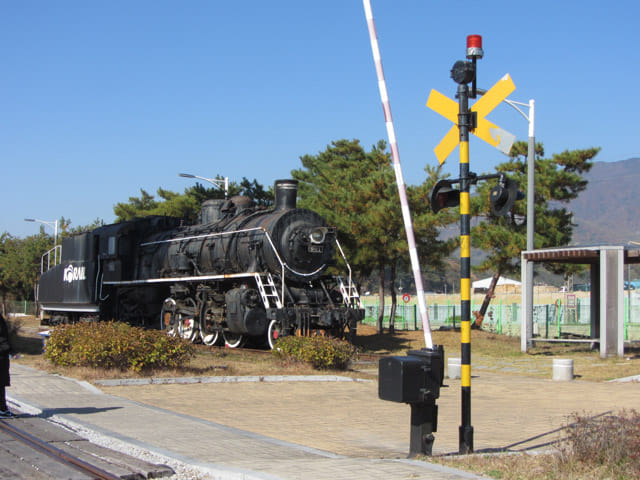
(474,46)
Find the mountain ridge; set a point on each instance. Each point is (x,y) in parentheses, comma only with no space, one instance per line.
(608,210)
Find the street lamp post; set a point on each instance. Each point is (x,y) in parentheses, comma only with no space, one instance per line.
(218,182)
(531,158)
(526,340)
(53,225)
(527,327)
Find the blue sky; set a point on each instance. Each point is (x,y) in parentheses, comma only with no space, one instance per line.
(101,99)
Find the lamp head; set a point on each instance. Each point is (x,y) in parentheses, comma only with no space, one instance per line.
(474,46)
(463,72)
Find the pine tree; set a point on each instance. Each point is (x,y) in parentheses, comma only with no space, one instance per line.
(558,180)
(356,192)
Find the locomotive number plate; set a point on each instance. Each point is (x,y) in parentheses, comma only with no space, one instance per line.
(315,248)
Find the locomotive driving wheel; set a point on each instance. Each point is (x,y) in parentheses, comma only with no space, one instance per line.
(273,333)
(178,324)
(188,328)
(167,316)
(183,326)
(210,338)
(234,340)
(209,332)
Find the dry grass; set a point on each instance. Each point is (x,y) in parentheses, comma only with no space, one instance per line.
(489,351)
(502,354)
(590,448)
(528,467)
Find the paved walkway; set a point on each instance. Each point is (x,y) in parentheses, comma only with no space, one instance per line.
(313,430)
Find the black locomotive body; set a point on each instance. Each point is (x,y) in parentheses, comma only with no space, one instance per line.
(243,272)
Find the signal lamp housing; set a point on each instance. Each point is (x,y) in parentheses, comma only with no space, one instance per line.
(463,72)
(442,195)
(504,195)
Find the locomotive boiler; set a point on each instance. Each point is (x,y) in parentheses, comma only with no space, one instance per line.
(244,272)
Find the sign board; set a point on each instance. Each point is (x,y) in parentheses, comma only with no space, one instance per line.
(487,131)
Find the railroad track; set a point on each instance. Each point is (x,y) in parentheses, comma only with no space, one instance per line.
(63,454)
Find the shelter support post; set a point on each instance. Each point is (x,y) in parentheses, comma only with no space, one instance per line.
(612,302)
(526,323)
(594,297)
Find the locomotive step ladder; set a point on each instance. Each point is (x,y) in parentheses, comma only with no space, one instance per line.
(349,292)
(268,290)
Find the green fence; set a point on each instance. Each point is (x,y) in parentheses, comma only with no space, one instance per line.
(21,307)
(554,320)
(550,320)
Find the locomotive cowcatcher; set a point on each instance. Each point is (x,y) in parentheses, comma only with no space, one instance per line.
(244,272)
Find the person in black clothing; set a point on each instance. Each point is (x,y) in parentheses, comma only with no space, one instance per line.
(5,379)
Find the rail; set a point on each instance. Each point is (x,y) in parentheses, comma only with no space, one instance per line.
(57,258)
(55,453)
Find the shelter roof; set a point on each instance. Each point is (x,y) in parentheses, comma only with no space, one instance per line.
(581,254)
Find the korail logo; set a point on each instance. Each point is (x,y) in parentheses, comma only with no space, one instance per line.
(71,274)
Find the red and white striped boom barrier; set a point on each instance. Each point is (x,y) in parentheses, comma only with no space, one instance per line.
(395,155)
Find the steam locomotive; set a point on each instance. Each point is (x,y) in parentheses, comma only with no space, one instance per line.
(244,272)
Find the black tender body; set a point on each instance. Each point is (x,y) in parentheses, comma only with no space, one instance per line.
(243,272)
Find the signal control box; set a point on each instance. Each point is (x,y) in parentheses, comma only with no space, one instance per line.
(414,378)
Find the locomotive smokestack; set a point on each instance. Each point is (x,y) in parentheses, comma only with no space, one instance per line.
(286,194)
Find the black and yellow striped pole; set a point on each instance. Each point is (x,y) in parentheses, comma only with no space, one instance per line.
(464,124)
(463,73)
(442,195)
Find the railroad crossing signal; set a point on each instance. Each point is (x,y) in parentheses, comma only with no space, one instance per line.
(484,129)
(443,195)
(504,195)
(501,198)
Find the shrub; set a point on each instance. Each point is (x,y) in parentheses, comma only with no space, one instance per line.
(612,441)
(115,345)
(320,352)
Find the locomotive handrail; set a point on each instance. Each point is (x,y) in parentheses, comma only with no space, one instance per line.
(191,278)
(206,235)
(57,258)
(283,264)
(344,257)
(219,234)
(346,262)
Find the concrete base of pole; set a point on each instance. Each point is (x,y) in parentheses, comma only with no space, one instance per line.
(562,369)
(453,368)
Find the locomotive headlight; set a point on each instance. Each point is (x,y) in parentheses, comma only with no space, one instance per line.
(318,235)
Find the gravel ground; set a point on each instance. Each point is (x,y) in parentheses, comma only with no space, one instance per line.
(182,470)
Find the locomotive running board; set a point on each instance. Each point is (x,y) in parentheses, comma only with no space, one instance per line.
(66,308)
(195,278)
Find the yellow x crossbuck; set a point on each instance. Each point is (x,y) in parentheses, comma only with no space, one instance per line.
(487,131)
